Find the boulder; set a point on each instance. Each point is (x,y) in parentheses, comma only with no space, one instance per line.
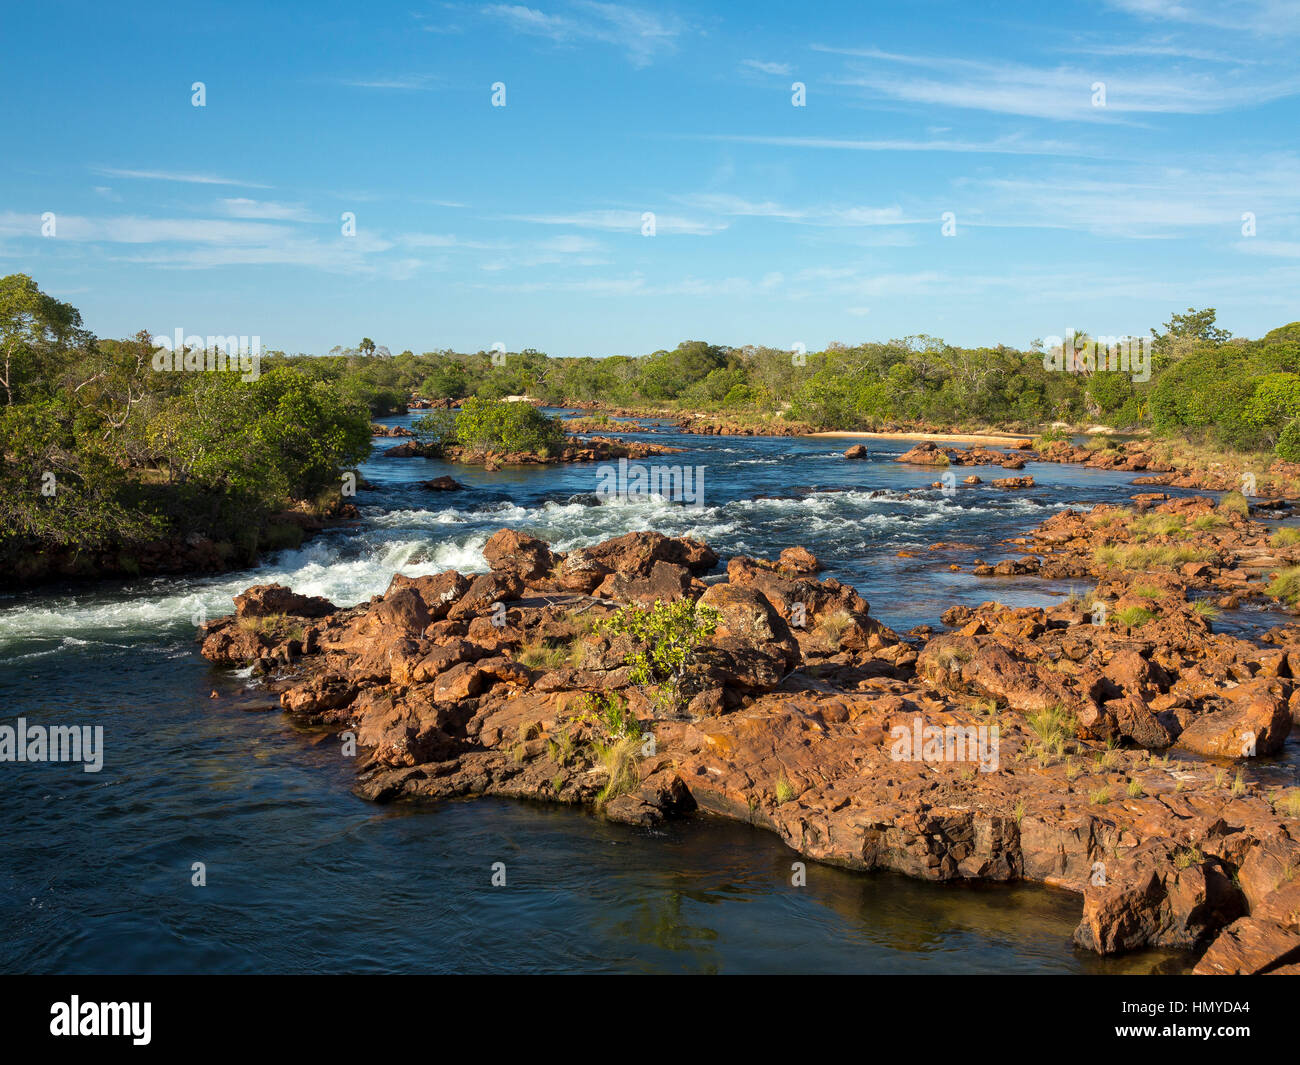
(1255,721)
(264,600)
(443,484)
(666,581)
(512,552)
(484,592)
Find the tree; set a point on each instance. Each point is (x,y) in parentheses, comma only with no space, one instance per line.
(498,425)
(36,333)
(1185,331)
(367,346)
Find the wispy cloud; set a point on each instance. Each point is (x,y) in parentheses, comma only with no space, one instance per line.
(781,69)
(820,215)
(408,82)
(1060,92)
(998,146)
(171,175)
(618,221)
(1280,249)
(1160,202)
(133,229)
(242,207)
(1164,48)
(642,34)
(1252,16)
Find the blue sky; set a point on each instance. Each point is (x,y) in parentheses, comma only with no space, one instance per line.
(774,224)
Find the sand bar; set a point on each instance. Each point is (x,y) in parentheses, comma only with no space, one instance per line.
(987,439)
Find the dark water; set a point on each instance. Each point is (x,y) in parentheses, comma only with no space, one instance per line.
(95,869)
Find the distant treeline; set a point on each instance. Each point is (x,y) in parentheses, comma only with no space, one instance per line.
(101,449)
(1237,393)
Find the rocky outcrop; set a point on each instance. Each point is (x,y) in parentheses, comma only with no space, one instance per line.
(577,449)
(928,453)
(1024,744)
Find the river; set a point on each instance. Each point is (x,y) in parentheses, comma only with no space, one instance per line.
(96,869)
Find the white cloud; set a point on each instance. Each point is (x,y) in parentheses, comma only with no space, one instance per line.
(414,82)
(1278,17)
(781,69)
(643,35)
(1281,249)
(999,146)
(169,175)
(624,222)
(1060,92)
(828,215)
(241,207)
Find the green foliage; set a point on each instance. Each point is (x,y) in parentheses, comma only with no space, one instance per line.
(664,639)
(1286,585)
(1288,441)
(100,450)
(496,425)
(436,429)
(610,711)
(1133,617)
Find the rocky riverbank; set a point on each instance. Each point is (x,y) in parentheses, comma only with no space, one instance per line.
(192,553)
(1115,759)
(578,449)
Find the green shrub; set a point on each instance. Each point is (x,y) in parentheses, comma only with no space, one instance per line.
(611,712)
(496,425)
(665,638)
(1235,503)
(436,429)
(1134,616)
(1286,585)
(1288,442)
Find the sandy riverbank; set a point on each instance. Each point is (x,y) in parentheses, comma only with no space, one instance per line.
(986,439)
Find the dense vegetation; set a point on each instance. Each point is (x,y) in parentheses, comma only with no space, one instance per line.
(491,425)
(1203,383)
(101,451)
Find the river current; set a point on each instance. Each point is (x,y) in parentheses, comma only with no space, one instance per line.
(97,870)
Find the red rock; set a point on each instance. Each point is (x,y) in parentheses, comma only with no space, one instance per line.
(512,552)
(484,592)
(926,454)
(264,600)
(1256,721)
(666,581)
(1247,947)
(443,484)
(799,560)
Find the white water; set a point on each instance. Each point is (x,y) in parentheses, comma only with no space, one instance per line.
(348,569)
